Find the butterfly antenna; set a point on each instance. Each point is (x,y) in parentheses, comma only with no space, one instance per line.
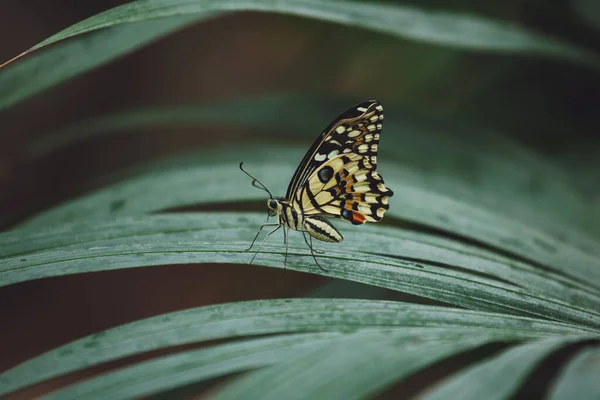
(255,182)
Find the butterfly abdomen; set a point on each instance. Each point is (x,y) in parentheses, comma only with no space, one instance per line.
(315,226)
(321,229)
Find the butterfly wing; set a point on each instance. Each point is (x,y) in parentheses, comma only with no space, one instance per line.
(340,179)
(347,187)
(360,125)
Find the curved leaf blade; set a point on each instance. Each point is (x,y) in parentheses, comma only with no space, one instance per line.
(502,375)
(580,377)
(263,317)
(348,369)
(430,26)
(175,230)
(39,71)
(192,367)
(171,372)
(417,201)
(223,238)
(118,31)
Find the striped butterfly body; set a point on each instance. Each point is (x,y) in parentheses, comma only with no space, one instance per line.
(337,178)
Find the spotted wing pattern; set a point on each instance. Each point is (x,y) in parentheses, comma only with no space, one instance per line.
(341,178)
(356,130)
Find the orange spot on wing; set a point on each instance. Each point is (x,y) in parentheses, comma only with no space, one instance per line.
(358,217)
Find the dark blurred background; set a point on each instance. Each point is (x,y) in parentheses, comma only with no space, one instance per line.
(550,106)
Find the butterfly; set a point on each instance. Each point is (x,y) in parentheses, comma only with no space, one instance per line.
(337,178)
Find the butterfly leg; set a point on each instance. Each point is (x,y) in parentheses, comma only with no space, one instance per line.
(263,241)
(312,250)
(310,245)
(259,231)
(285,240)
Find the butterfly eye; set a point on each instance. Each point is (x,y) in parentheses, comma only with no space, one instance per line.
(273,204)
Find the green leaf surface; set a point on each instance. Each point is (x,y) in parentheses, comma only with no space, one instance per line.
(261,318)
(348,369)
(424,196)
(44,69)
(502,375)
(473,223)
(430,26)
(223,238)
(579,379)
(194,366)
(188,367)
(124,28)
(51,250)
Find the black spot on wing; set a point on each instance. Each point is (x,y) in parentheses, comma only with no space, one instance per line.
(335,192)
(346,214)
(325,174)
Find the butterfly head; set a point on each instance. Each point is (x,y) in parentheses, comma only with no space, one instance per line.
(274,207)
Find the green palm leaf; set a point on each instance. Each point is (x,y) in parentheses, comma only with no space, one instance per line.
(123,29)
(479,223)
